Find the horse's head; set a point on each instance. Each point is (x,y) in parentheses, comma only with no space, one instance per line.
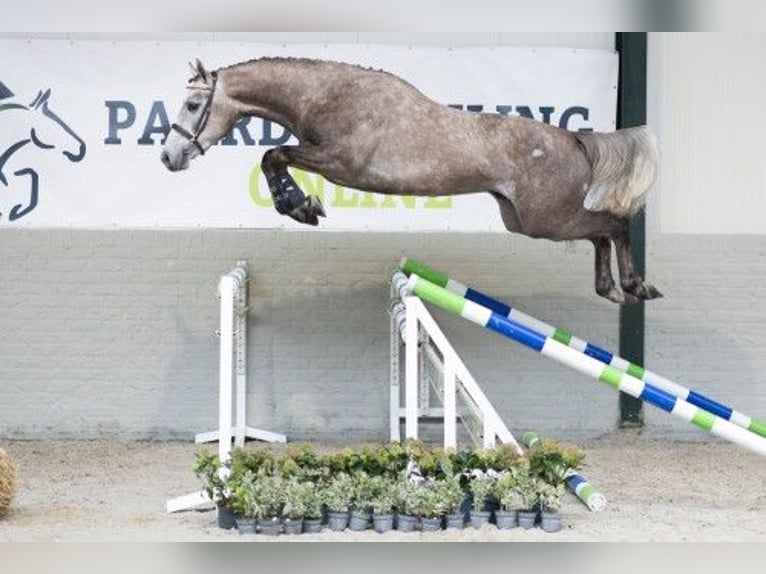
(55,133)
(202,120)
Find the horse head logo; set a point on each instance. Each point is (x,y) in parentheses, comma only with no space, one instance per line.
(34,126)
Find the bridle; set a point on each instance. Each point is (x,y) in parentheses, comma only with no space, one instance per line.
(193,137)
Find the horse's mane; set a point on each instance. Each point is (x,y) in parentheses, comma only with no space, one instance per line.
(306,62)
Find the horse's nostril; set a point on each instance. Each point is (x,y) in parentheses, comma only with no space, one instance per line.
(165,157)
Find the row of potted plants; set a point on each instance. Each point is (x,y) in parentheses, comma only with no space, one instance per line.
(403,485)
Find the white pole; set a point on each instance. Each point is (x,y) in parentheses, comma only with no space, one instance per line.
(395,398)
(240,322)
(411,370)
(226,290)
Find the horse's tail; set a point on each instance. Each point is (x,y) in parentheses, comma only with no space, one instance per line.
(624,165)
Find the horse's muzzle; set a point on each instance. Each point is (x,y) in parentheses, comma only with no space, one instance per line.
(169,163)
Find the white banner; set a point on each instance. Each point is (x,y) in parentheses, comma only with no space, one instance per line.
(82,125)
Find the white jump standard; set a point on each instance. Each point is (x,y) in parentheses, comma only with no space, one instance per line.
(432,363)
(232,290)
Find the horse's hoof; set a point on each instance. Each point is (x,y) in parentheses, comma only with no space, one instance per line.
(315,206)
(614,295)
(652,292)
(302,214)
(645,292)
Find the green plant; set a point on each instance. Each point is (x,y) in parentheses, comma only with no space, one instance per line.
(296,498)
(526,487)
(268,494)
(337,462)
(363,491)
(551,496)
(338,492)
(207,468)
(506,491)
(465,460)
(481,487)
(258,461)
(7,481)
(298,460)
(451,493)
(552,461)
(432,499)
(257,496)
(391,459)
(503,457)
(304,495)
(243,497)
(384,494)
(407,496)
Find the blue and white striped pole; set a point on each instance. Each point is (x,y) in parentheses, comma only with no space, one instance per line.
(408,266)
(584,364)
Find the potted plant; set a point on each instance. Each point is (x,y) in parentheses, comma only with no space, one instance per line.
(294,504)
(337,496)
(481,488)
(550,463)
(454,498)
(243,502)
(526,490)
(383,503)
(312,502)
(363,493)
(550,497)
(269,501)
(407,495)
(208,469)
(431,504)
(508,499)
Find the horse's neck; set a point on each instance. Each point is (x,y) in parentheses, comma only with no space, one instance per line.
(277,90)
(14,125)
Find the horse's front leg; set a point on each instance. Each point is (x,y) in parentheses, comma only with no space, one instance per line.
(630,281)
(288,197)
(19,211)
(605,285)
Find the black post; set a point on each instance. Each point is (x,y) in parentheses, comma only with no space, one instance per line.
(631,111)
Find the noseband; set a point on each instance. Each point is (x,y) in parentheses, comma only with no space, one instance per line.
(193,137)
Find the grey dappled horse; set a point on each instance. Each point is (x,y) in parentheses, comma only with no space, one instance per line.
(372,131)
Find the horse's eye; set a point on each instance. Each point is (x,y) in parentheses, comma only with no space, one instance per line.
(192,107)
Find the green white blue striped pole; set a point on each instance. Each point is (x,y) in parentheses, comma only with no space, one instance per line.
(576,483)
(409,266)
(585,364)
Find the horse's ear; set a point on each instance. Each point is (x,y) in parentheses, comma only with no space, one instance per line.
(41,98)
(201,71)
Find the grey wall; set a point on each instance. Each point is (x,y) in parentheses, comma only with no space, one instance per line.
(111,332)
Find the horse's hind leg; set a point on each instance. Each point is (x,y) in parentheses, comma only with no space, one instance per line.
(630,281)
(605,285)
(289,198)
